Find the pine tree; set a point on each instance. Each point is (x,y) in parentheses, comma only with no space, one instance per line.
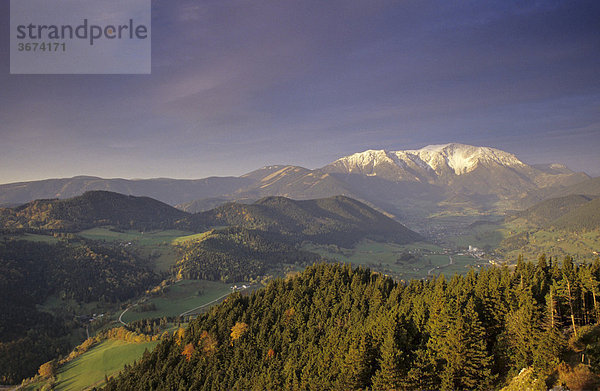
(389,375)
(567,288)
(358,365)
(522,330)
(476,370)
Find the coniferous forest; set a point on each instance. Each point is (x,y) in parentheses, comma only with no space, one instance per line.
(80,271)
(334,327)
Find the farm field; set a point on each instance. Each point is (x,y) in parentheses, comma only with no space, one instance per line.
(417,260)
(90,369)
(179,298)
(156,245)
(31,237)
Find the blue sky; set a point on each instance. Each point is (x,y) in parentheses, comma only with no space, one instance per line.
(237,85)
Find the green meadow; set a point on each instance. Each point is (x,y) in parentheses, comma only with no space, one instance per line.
(156,245)
(32,237)
(178,298)
(89,370)
(416,260)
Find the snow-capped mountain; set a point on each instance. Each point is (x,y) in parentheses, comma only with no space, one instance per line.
(404,182)
(426,164)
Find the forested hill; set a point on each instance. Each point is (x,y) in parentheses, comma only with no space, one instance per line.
(340,220)
(335,220)
(584,218)
(93,208)
(30,272)
(543,213)
(571,213)
(332,327)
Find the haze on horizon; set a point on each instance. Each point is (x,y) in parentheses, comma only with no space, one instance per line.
(239,85)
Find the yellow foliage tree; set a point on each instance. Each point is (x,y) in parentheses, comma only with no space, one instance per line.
(179,335)
(188,351)
(207,342)
(270,354)
(238,330)
(48,369)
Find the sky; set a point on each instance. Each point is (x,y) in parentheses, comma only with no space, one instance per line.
(237,85)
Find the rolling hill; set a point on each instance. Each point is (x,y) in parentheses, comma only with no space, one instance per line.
(93,208)
(170,191)
(335,220)
(584,218)
(570,213)
(558,227)
(547,211)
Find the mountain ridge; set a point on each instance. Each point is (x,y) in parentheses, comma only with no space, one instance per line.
(406,184)
(431,159)
(334,220)
(93,208)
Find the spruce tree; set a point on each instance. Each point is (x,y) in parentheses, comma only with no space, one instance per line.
(389,375)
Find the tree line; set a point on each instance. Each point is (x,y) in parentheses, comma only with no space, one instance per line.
(334,327)
(30,272)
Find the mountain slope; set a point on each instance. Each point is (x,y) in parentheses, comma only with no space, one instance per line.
(461,168)
(93,208)
(547,211)
(584,218)
(295,182)
(590,187)
(430,162)
(170,191)
(334,328)
(337,220)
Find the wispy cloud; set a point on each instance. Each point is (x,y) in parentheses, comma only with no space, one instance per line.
(240,84)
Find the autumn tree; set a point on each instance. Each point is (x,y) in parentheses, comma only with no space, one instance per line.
(207,342)
(188,351)
(238,330)
(48,370)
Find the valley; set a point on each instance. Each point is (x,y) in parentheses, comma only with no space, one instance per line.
(80,267)
(403,262)
(300,195)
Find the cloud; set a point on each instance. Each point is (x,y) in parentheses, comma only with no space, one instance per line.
(306,82)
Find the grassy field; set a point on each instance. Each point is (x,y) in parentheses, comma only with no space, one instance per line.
(32,237)
(141,238)
(484,235)
(186,238)
(180,297)
(156,245)
(89,369)
(387,258)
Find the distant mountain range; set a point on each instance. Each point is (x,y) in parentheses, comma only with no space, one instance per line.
(405,184)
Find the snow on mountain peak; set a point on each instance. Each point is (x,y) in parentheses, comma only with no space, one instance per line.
(458,158)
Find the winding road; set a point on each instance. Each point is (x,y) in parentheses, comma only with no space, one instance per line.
(123,313)
(204,305)
(183,313)
(442,266)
